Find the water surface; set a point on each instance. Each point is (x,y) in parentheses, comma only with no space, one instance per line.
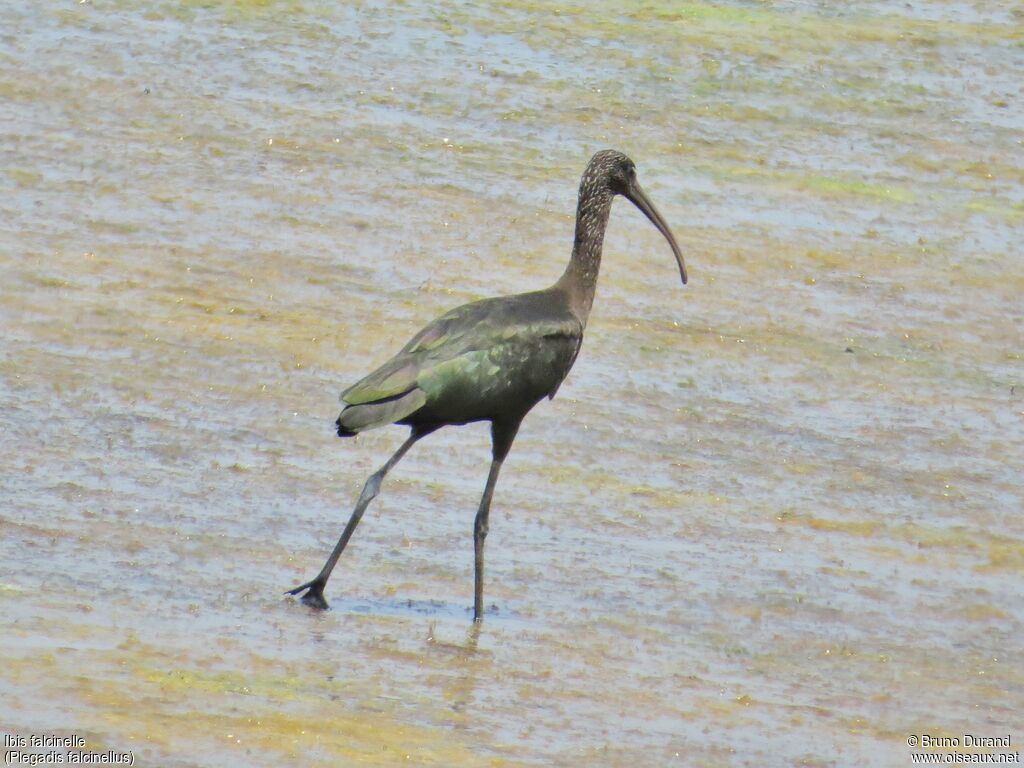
(772,518)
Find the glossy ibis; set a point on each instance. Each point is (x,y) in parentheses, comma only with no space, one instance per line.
(491,360)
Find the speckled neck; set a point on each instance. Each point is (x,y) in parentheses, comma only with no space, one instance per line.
(580,278)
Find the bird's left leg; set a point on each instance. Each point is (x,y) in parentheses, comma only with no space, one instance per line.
(502,435)
(314,589)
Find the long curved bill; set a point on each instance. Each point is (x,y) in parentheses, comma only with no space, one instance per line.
(639,198)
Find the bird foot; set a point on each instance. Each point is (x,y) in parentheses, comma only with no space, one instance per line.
(314,597)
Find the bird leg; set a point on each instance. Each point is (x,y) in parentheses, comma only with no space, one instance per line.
(479,535)
(501,437)
(314,589)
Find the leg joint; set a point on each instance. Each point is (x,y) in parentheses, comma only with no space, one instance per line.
(480,524)
(372,487)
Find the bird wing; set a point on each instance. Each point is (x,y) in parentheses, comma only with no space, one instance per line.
(468,342)
(504,357)
(398,375)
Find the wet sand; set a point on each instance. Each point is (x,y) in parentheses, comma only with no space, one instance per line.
(772,518)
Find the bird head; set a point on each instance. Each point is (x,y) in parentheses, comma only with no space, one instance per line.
(618,173)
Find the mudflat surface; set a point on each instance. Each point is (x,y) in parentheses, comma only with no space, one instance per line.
(772,518)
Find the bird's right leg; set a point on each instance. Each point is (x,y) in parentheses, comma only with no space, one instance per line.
(314,589)
(502,435)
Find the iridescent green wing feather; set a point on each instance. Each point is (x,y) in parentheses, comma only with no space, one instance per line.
(470,347)
(507,340)
(398,375)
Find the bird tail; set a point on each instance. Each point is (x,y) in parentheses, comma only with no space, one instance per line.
(379,413)
(344,431)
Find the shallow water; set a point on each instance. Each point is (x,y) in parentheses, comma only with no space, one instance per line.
(772,518)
